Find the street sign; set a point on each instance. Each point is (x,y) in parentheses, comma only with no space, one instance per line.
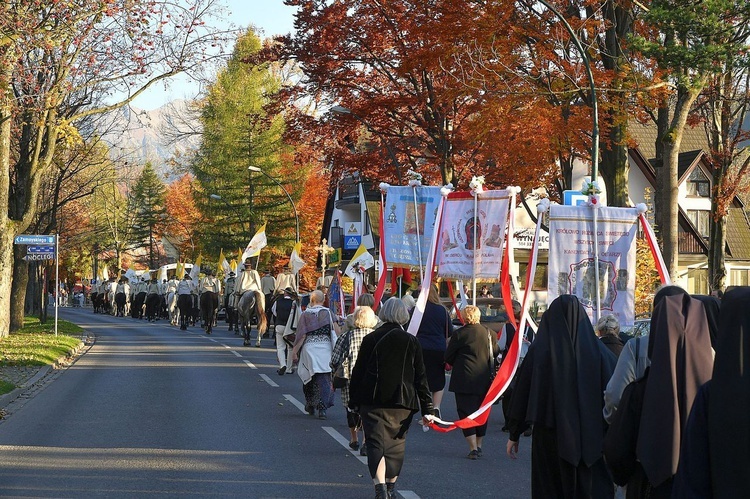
(39,256)
(352,242)
(40,249)
(34,239)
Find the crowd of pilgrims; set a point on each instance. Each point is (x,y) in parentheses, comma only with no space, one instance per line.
(662,415)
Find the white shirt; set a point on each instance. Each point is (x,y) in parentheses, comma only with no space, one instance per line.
(248,280)
(185,287)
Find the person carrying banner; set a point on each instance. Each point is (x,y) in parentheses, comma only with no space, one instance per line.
(559,391)
(434,331)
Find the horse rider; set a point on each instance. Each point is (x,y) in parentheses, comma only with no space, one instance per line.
(152,297)
(210,284)
(267,287)
(185,290)
(249,280)
(230,301)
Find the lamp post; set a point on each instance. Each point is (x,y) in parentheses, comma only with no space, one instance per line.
(294,207)
(590,76)
(388,145)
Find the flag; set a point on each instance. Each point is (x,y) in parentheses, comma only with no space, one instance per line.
(257,243)
(196,269)
(295,261)
(223,263)
(162,274)
(362,258)
(179,270)
(233,265)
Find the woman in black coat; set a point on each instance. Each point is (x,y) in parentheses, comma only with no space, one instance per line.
(472,351)
(387,387)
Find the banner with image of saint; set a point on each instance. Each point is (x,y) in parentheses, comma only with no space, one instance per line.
(404,224)
(459,254)
(571,258)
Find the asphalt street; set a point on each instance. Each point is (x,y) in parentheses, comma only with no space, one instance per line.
(151,410)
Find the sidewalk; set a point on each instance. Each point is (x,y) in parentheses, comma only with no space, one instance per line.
(24,377)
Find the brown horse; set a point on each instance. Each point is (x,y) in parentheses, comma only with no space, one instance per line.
(250,305)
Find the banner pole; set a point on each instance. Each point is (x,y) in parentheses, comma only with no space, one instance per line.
(596,264)
(474,253)
(419,239)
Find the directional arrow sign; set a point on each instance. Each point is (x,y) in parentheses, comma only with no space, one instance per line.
(39,256)
(34,239)
(40,249)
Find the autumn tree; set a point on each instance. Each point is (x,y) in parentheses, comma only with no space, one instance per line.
(61,61)
(182,220)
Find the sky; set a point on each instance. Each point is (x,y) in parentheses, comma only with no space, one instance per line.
(270,17)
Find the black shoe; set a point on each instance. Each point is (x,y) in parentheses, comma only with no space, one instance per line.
(310,410)
(363,449)
(391,487)
(354,445)
(479,452)
(322,414)
(381,491)
(473,455)
(281,370)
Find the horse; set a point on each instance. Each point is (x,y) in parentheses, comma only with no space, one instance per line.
(185,304)
(172,309)
(249,305)
(136,311)
(120,300)
(209,309)
(152,306)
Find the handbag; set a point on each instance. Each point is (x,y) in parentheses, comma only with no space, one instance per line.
(339,378)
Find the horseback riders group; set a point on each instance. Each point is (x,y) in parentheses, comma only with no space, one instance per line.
(185,303)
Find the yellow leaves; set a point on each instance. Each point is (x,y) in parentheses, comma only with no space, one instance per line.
(68,134)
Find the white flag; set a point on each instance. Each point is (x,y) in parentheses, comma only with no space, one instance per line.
(362,258)
(257,243)
(295,261)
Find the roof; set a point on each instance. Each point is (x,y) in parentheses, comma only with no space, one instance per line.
(738,234)
(644,136)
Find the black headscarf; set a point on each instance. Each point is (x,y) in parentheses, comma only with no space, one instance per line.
(681,361)
(712,306)
(729,399)
(570,370)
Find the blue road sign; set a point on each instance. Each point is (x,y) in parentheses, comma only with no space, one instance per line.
(352,242)
(34,239)
(40,249)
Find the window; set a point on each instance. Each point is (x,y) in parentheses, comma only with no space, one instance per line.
(700,220)
(739,277)
(540,277)
(697,281)
(698,184)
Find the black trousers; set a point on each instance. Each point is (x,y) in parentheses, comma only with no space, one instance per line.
(385,433)
(466,404)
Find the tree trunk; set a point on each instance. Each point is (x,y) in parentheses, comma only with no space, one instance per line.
(614,167)
(7,227)
(717,272)
(665,202)
(18,288)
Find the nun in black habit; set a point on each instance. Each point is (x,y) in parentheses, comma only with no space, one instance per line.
(713,309)
(559,390)
(642,446)
(715,453)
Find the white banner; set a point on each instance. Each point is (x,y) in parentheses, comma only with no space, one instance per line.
(460,256)
(573,235)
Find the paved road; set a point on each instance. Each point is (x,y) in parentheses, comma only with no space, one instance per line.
(154,411)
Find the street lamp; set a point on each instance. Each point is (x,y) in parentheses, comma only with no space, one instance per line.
(294,207)
(388,145)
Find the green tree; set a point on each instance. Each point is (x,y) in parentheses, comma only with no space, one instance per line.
(148,201)
(689,41)
(239,132)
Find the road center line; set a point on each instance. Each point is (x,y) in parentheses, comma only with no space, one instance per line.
(236,353)
(344,443)
(250,364)
(269,380)
(299,405)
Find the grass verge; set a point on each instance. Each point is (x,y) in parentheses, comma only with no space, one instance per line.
(36,344)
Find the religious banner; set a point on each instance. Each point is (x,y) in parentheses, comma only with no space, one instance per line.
(408,224)
(574,233)
(470,244)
